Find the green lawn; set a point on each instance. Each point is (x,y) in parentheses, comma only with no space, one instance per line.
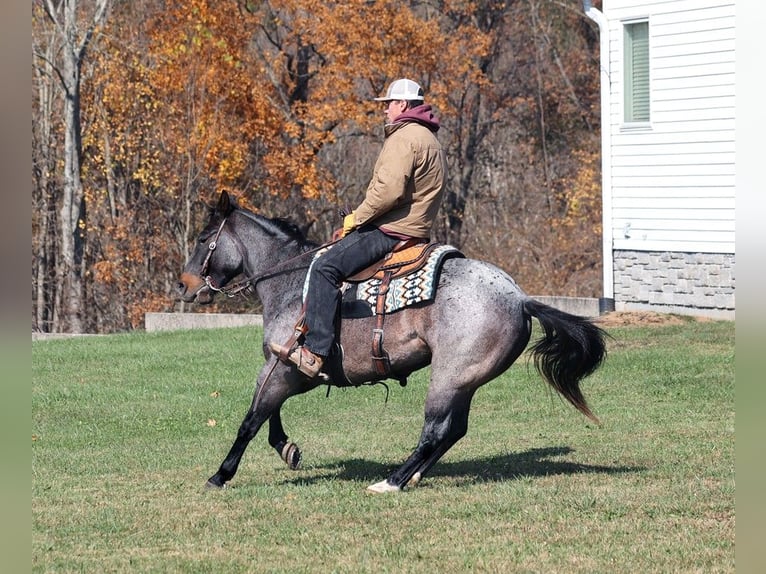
(126,429)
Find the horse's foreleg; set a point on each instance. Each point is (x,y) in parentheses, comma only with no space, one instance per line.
(247,430)
(266,404)
(288,451)
(446,422)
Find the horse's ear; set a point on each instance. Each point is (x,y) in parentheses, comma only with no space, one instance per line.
(226,204)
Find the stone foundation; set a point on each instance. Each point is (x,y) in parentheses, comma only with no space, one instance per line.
(686,283)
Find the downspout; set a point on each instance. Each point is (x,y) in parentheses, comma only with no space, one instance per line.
(607,301)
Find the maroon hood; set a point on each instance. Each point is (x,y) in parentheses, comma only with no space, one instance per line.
(421,115)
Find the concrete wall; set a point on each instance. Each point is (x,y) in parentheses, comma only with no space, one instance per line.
(176,321)
(583,306)
(701,284)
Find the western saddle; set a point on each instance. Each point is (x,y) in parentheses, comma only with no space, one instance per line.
(406,257)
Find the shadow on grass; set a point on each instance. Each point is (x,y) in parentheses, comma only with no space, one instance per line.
(511,466)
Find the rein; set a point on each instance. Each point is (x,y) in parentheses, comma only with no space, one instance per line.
(230,290)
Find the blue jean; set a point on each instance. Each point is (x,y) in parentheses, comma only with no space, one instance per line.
(355,252)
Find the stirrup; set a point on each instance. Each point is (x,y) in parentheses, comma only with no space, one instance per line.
(307,362)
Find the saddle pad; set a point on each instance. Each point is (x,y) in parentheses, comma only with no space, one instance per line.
(407,290)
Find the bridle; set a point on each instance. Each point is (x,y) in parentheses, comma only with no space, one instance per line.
(250,281)
(211,247)
(228,290)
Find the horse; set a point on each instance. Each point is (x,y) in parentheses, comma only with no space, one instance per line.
(473,329)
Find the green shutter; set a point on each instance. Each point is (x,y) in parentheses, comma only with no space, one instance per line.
(637,72)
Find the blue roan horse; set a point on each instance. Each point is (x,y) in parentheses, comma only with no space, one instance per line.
(474,328)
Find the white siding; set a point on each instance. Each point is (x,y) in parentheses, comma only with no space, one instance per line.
(673,179)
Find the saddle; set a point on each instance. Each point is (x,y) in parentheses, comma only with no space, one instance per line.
(408,256)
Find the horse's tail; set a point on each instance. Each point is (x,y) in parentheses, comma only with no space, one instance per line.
(571,349)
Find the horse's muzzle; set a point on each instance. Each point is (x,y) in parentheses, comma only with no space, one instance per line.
(193,289)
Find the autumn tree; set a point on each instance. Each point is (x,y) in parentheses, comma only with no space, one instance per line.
(175,126)
(273,102)
(538,118)
(324,62)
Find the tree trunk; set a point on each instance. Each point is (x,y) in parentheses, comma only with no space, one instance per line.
(72,209)
(71,230)
(43,238)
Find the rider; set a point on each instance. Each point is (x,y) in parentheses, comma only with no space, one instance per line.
(401,203)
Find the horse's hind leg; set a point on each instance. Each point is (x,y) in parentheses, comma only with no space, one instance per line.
(446,422)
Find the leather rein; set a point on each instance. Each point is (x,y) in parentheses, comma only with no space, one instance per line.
(250,281)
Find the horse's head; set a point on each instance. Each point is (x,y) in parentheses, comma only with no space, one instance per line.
(217,257)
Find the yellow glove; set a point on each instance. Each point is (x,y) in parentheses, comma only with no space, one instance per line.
(349,224)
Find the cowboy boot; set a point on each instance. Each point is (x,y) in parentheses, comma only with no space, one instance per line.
(307,362)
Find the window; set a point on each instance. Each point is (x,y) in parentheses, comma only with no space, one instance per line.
(636,56)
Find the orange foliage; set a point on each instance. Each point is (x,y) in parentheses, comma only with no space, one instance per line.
(577,229)
(581,196)
(205,91)
(187,99)
(211,83)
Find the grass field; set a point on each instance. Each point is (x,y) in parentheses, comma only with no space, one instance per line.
(126,429)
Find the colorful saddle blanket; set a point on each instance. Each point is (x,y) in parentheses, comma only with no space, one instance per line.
(359,299)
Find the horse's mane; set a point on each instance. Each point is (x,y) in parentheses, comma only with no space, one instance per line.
(275,226)
(285,226)
(279,226)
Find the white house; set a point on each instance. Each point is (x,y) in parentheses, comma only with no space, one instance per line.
(668,154)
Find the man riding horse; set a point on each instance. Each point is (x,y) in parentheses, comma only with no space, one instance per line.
(400,205)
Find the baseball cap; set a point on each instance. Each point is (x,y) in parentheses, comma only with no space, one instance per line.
(402,89)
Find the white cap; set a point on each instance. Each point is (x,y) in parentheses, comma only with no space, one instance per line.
(402,89)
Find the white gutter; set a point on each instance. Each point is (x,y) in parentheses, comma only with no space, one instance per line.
(606,149)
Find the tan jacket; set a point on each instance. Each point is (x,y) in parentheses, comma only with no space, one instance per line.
(408,181)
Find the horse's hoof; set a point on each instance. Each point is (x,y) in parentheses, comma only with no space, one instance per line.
(382,486)
(291,454)
(210,485)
